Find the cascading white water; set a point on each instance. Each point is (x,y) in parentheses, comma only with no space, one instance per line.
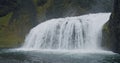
(82,32)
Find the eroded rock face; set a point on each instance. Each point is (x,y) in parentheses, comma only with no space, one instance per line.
(111,31)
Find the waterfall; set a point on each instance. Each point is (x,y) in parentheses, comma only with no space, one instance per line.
(80,32)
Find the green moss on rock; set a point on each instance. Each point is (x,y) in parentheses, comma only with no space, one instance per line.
(106,44)
(7,38)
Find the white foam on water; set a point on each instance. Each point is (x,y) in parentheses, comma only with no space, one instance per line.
(64,51)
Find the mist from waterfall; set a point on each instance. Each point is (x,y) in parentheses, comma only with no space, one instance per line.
(70,33)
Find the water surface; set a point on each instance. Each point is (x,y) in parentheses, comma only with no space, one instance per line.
(36,56)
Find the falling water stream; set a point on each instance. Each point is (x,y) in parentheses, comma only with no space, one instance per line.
(81,32)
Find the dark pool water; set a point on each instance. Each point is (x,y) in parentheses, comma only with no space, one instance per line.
(13,56)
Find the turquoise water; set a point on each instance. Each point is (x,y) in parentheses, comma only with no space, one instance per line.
(19,56)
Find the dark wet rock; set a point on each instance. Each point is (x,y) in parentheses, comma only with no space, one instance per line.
(111,31)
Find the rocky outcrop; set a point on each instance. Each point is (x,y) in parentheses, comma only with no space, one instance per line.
(17,17)
(111,31)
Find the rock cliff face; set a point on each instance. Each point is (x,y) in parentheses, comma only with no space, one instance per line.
(111,31)
(17,17)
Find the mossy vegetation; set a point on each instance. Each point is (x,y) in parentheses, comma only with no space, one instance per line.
(106,28)
(106,40)
(7,38)
(4,20)
(41,10)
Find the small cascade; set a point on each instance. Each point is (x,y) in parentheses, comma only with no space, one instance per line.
(81,32)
